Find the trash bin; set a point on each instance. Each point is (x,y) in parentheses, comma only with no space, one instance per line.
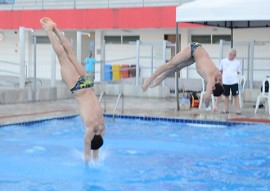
(132,69)
(107,72)
(125,71)
(116,72)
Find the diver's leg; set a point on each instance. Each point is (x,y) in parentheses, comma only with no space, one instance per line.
(68,72)
(158,71)
(70,52)
(166,74)
(179,61)
(170,72)
(68,48)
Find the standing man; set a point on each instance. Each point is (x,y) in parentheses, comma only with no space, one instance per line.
(230,68)
(89,63)
(80,85)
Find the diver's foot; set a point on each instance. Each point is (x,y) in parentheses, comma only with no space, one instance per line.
(50,21)
(145,84)
(155,83)
(47,23)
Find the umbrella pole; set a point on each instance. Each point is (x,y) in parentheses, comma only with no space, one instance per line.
(231,35)
(176,73)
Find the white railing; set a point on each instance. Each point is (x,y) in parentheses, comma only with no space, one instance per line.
(120,95)
(9,68)
(82,4)
(103,97)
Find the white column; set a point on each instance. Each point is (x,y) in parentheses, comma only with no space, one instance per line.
(164,46)
(79,46)
(137,61)
(22,57)
(221,48)
(53,69)
(251,64)
(184,43)
(99,55)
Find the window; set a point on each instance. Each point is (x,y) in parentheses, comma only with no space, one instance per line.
(216,38)
(7,1)
(210,39)
(42,40)
(112,39)
(127,39)
(121,39)
(204,39)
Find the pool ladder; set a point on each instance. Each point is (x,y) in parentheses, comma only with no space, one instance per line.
(120,96)
(103,95)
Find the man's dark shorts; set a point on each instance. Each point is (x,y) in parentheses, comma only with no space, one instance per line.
(230,88)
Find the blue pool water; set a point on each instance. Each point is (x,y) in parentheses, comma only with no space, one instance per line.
(137,155)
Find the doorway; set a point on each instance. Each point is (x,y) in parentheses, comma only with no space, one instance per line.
(172,39)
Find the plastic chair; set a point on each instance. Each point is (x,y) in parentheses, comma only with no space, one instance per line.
(241,86)
(263,95)
(202,94)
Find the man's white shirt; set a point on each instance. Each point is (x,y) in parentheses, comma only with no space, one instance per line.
(230,70)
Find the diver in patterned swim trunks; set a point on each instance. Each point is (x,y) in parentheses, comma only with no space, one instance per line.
(72,73)
(194,46)
(194,52)
(83,82)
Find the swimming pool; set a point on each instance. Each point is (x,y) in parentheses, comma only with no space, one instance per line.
(138,155)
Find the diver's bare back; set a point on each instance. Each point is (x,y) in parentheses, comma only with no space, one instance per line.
(204,64)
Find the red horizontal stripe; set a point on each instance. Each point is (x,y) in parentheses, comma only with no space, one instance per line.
(108,18)
(253,120)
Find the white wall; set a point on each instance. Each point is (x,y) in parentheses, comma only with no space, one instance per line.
(9,51)
(252,34)
(9,48)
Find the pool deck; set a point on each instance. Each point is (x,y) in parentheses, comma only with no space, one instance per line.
(34,111)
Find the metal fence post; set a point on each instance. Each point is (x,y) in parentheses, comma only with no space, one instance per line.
(251,64)
(22,57)
(137,61)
